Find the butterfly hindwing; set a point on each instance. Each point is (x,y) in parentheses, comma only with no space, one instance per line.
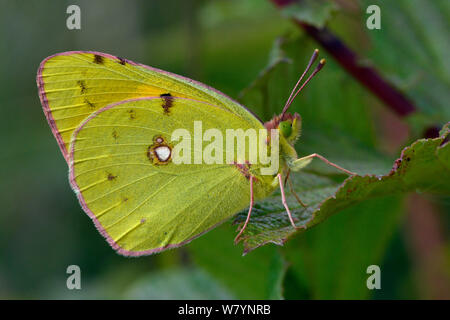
(140,200)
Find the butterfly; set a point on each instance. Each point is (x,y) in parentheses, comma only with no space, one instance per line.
(113,119)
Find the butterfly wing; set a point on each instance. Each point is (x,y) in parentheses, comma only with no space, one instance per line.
(73,85)
(142,203)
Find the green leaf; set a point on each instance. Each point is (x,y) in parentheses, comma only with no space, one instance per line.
(278,269)
(411,48)
(422,167)
(315,12)
(260,92)
(330,262)
(255,276)
(177,283)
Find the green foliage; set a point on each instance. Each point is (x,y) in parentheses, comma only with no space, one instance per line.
(330,260)
(277,275)
(411,48)
(178,283)
(258,276)
(422,167)
(315,12)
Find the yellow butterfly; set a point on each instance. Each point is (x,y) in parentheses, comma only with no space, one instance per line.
(114,121)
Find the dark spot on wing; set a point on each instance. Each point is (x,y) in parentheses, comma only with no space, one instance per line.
(82,86)
(115,135)
(152,151)
(98,59)
(132,114)
(167,102)
(122,61)
(90,104)
(111,176)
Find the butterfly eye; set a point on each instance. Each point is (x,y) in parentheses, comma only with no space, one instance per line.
(285,128)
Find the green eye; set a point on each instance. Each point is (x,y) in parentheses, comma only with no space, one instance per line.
(285,128)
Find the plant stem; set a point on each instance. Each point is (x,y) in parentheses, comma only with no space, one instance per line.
(367,76)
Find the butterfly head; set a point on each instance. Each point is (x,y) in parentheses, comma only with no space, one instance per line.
(289,126)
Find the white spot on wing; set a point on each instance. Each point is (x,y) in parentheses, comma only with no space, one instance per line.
(163,153)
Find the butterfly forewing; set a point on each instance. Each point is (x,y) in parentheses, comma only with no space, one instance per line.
(73,85)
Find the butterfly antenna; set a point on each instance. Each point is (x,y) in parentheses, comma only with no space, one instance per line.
(311,61)
(316,70)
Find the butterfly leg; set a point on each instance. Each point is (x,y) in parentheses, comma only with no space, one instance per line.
(236,240)
(304,161)
(291,187)
(283,200)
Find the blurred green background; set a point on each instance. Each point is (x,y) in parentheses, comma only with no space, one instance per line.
(226,44)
